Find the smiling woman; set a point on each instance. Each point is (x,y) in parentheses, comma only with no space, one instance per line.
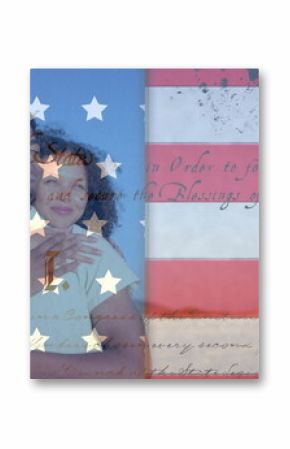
(67,169)
(76,270)
(60,197)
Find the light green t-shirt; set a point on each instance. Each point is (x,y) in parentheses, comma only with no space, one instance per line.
(65,317)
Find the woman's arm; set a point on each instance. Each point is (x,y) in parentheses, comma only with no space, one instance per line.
(123,351)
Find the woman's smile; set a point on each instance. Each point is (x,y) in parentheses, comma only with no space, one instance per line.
(62,210)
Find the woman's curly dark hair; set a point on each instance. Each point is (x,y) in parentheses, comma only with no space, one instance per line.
(101,196)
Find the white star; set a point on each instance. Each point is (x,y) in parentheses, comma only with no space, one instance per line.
(94,225)
(94,341)
(142,222)
(94,109)
(37,341)
(50,168)
(108,167)
(37,225)
(37,109)
(52,286)
(142,106)
(108,283)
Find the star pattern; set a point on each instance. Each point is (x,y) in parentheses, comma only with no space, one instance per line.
(143,223)
(108,283)
(94,109)
(37,341)
(37,225)
(52,286)
(94,225)
(108,167)
(50,168)
(94,341)
(37,109)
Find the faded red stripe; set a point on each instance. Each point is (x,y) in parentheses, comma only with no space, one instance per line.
(202,288)
(199,173)
(197,77)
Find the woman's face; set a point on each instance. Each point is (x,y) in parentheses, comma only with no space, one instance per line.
(61,197)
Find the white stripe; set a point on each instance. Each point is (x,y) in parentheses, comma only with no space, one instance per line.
(201,230)
(205,346)
(218,115)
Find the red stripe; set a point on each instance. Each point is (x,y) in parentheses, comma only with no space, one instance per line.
(202,173)
(202,288)
(198,77)
(213,377)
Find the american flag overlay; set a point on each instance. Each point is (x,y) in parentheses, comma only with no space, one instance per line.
(144,223)
(203,223)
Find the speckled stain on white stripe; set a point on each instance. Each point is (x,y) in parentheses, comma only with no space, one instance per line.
(203,345)
(202,114)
